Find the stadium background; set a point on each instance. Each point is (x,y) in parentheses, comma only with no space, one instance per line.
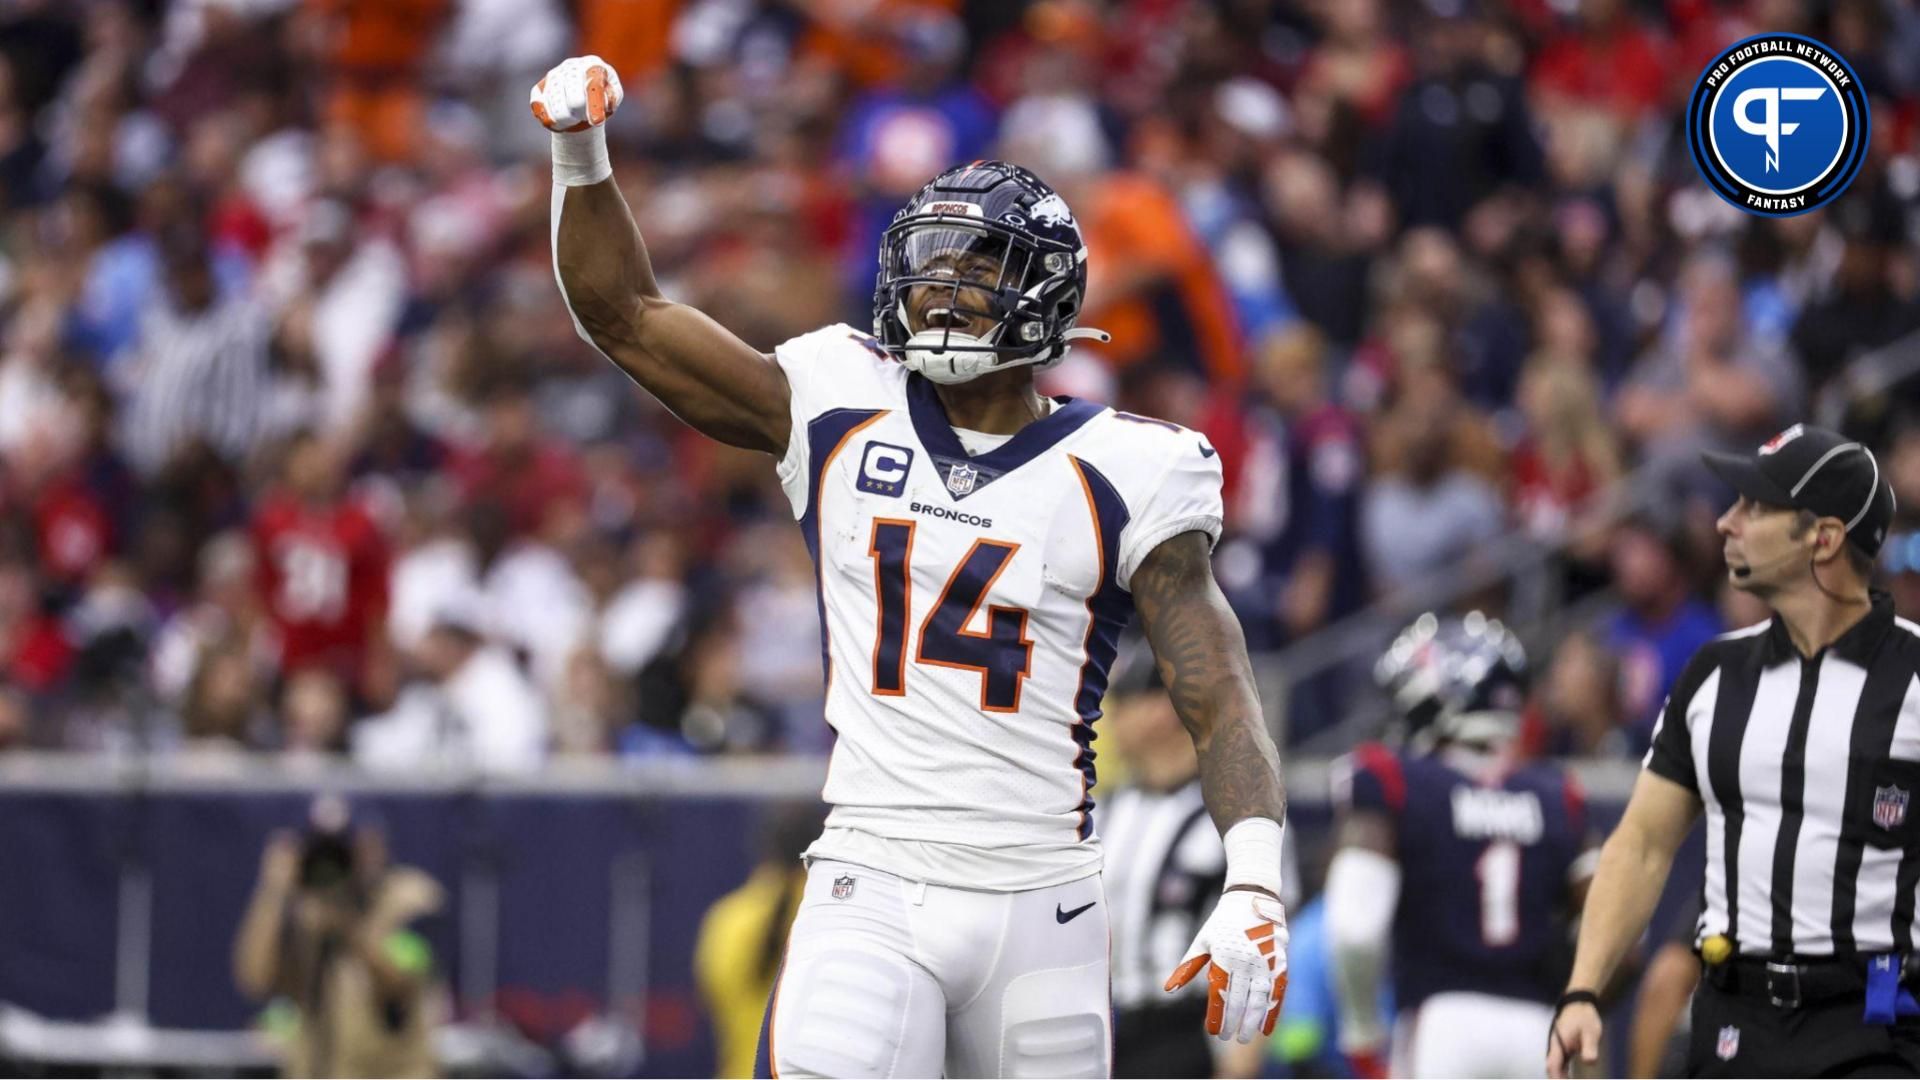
(1436,277)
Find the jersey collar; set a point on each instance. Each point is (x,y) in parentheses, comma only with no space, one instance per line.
(1857,646)
(930,423)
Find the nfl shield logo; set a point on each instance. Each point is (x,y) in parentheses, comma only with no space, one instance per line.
(1889,806)
(1729,1044)
(843,886)
(960,479)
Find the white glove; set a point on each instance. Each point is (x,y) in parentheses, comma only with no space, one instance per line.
(578,94)
(1243,946)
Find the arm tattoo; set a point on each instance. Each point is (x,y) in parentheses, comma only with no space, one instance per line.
(1202,656)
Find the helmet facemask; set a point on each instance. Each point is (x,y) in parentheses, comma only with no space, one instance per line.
(959,297)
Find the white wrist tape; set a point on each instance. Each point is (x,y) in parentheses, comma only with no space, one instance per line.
(1253,853)
(580,157)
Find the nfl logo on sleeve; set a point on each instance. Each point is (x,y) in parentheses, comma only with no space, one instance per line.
(1729,1043)
(843,886)
(1889,806)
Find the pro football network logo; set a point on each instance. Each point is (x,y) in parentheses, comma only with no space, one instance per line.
(1778,124)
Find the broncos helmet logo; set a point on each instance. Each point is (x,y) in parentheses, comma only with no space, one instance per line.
(1051,211)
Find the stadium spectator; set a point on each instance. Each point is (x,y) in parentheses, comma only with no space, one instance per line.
(1862,308)
(374,53)
(1661,621)
(1428,508)
(518,466)
(1579,704)
(323,565)
(221,713)
(343,284)
(314,714)
(14,719)
(589,705)
(1300,498)
(198,369)
(1567,461)
(1707,383)
(1326,261)
(1606,60)
(474,708)
(1355,73)
(29,386)
(85,501)
(1462,130)
(225,605)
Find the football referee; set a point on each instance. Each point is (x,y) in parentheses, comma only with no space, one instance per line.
(1801,739)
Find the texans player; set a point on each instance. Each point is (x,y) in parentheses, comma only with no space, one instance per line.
(978,549)
(1469,865)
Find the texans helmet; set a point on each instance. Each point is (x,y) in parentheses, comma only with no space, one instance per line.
(1461,680)
(989,235)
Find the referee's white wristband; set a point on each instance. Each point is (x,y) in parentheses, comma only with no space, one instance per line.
(1253,853)
(580,157)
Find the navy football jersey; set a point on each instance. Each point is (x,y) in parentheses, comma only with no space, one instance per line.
(1485,868)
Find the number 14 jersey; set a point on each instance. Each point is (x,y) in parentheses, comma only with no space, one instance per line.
(970,608)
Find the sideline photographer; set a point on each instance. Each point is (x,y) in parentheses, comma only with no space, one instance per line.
(328,931)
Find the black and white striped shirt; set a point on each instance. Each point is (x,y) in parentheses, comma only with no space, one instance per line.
(1808,768)
(195,375)
(1164,871)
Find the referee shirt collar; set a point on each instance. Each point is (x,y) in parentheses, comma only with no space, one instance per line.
(1856,646)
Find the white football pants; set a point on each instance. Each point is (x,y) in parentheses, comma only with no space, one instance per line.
(888,977)
(1462,1034)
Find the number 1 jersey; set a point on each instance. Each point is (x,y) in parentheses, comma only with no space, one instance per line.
(970,608)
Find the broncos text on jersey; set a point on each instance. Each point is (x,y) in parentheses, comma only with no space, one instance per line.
(970,607)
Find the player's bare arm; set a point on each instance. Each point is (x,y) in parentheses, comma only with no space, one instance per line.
(1202,657)
(1633,869)
(1362,895)
(715,382)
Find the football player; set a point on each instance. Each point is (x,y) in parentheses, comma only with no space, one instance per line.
(1456,866)
(978,549)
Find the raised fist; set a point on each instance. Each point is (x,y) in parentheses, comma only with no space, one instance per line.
(578,94)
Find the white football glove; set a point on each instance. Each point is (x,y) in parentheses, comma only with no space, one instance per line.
(578,94)
(1243,947)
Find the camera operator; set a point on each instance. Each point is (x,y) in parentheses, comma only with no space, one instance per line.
(328,930)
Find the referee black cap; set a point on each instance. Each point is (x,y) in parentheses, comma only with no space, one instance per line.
(1813,469)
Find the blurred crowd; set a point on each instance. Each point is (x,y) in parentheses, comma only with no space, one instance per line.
(299,452)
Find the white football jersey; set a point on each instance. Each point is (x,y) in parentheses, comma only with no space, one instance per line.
(970,608)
